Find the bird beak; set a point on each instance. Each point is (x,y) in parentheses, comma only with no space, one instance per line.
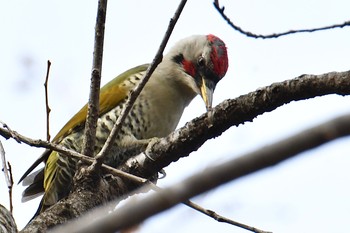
(207,90)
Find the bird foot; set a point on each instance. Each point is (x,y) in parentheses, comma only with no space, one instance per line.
(151,142)
(163,173)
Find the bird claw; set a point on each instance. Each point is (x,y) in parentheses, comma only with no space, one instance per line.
(163,173)
(151,142)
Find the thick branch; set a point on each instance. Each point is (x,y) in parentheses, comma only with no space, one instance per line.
(232,112)
(140,209)
(235,112)
(7,223)
(228,113)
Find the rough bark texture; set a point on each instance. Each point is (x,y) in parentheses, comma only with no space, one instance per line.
(213,176)
(234,112)
(7,223)
(90,190)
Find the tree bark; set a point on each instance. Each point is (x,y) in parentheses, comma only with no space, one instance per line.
(89,192)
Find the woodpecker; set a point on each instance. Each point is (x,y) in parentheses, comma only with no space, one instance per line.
(193,66)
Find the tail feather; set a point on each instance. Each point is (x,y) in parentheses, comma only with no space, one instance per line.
(42,158)
(35,185)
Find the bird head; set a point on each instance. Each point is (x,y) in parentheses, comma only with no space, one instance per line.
(203,59)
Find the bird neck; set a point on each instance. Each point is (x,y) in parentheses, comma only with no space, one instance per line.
(172,75)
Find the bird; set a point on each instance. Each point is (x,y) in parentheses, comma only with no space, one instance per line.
(193,66)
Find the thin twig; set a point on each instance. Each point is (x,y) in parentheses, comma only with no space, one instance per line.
(93,104)
(10,189)
(214,215)
(6,168)
(220,218)
(135,93)
(48,109)
(8,133)
(274,35)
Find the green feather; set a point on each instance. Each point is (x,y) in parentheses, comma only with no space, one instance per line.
(110,96)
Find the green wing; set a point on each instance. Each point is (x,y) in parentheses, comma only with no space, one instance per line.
(110,95)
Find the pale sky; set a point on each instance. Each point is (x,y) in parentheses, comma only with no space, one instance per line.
(308,193)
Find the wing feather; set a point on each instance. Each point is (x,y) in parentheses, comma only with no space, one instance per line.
(110,95)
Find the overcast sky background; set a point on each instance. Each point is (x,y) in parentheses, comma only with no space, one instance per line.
(309,193)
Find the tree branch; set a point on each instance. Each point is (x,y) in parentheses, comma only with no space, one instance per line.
(137,180)
(136,92)
(228,113)
(48,110)
(234,112)
(93,104)
(7,223)
(6,168)
(274,35)
(126,176)
(195,133)
(220,218)
(139,210)
(8,133)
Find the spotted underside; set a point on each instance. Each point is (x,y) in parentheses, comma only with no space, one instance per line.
(132,131)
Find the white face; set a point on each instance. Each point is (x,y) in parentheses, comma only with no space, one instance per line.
(192,48)
(191,65)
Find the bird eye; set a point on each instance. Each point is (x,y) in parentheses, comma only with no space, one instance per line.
(201,61)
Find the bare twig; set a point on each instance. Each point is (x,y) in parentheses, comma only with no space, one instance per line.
(140,209)
(220,218)
(135,93)
(6,168)
(214,215)
(93,104)
(48,110)
(274,35)
(8,133)
(10,189)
